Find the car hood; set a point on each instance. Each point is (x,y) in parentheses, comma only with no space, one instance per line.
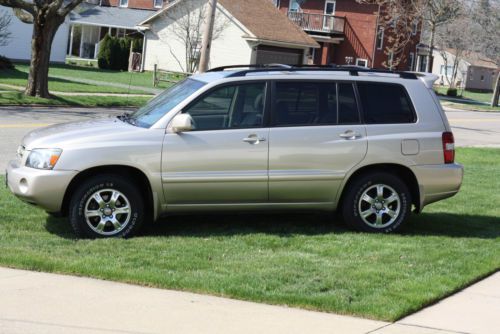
(75,133)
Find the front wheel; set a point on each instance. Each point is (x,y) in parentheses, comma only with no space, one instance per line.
(106,206)
(377,202)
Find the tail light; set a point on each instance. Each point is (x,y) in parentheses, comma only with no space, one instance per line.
(448,147)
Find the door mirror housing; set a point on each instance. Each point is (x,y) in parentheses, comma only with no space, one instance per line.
(182,123)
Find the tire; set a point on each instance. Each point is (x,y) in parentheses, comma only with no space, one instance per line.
(365,210)
(106,206)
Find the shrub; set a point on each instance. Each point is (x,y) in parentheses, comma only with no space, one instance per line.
(104,55)
(452,92)
(113,53)
(5,63)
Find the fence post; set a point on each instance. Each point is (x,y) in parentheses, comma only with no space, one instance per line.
(154,74)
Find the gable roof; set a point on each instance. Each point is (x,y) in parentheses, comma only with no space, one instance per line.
(260,18)
(116,17)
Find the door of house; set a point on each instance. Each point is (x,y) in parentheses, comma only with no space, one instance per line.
(329,12)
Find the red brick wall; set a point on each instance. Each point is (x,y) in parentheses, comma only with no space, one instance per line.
(136,4)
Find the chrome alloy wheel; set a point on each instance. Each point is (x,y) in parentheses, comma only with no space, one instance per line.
(379,206)
(107,212)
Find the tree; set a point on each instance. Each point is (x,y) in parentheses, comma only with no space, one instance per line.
(4,25)
(187,20)
(46,17)
(436,13)
(398,19)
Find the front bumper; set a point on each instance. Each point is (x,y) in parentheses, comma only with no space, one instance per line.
(437,182)
(44,188)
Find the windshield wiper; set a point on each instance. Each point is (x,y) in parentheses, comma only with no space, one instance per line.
(125,117)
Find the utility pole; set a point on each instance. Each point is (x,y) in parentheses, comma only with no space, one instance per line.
(207,36)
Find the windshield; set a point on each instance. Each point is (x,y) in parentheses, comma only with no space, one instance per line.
(159,106)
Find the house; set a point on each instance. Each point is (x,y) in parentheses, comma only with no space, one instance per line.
(474,71)
(347,31)
(18,47)
(246,32)
(120,18)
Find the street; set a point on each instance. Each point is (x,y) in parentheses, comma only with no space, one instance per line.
(478,129)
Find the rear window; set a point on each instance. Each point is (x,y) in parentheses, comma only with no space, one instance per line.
(385,103)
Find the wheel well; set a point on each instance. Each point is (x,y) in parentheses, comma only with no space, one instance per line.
(130,173)
(404,173)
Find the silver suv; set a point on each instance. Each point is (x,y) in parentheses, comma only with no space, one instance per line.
(371,144)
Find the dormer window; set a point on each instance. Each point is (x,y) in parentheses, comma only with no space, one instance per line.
(158,3)
(123,3)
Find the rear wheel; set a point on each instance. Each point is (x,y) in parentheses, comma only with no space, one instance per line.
(377,202)
(106,206)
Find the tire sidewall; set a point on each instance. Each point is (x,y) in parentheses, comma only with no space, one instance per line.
(88,188)
(351,211)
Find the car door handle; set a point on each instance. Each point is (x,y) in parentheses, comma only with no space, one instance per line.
(350,135)
(253,139)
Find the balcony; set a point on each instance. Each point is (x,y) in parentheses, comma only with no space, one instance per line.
(318,22)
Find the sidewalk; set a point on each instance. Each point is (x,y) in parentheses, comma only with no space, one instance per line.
(47,303)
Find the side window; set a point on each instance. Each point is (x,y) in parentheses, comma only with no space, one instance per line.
(314,103)
(230,107)
(385,103)
(348,108)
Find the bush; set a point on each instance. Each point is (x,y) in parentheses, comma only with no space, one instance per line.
(5,63)
(113,53)
(452,92)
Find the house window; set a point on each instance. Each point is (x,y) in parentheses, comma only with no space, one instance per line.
(294,6)
(482,77)
(276,3)
(414,28)
(411,61)
(447,70)
(123,3)
(380,38)
(158,3)
(361,62)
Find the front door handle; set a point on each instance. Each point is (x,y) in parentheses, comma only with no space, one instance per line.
(253,139)
(350,135)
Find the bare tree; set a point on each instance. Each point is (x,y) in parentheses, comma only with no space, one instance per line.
(398,20)
(46,17)
(4,25)
(434,14)
(186,20)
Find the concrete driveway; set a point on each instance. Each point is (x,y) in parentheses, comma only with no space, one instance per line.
(470,128)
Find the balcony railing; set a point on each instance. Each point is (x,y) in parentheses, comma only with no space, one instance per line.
(318,22)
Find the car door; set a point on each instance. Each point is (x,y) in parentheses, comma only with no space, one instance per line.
(315,139)
(224,159)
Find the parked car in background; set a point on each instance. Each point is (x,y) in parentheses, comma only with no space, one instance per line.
(372,144)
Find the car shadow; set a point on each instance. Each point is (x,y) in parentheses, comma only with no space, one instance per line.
(208,225)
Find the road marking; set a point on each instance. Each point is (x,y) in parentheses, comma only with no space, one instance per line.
(26,125)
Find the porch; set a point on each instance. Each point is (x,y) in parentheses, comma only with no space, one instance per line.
(319,23)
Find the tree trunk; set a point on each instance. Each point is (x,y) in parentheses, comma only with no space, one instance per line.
(44,29)
(430,57)
(496,92)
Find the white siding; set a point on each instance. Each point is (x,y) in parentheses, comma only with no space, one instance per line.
(169,53)
(19,45)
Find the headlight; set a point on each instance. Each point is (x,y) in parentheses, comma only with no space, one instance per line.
(43,158)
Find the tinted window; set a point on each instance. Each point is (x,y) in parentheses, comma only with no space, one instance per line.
(230,107)
(314,103)
(385,103)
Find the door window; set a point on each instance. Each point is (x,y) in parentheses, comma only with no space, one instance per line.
(314,103)
(230,107)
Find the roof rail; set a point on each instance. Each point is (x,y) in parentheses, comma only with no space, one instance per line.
(353,70)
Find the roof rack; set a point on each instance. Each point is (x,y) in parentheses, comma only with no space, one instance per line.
(353,70)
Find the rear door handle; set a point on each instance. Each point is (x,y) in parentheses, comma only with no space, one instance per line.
(253,139)
(350,135)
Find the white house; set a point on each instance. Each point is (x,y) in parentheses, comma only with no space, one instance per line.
(19,45)
(253,32)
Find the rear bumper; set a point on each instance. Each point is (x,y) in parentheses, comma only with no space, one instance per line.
(44,188)
(437,182)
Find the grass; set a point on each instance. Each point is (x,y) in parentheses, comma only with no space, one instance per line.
(17,98)
(144,79)
(468,95)
(301,260)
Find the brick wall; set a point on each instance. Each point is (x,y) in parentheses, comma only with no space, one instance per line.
(135,4)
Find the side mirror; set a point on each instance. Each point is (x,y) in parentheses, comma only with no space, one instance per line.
(182,123)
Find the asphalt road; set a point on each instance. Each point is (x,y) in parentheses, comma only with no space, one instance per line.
(470,128)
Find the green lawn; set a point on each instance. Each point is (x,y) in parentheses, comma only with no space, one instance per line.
(301,260)
(17,98)
(144,79)
(475,96)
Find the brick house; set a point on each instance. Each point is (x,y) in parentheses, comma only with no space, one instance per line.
(347,31)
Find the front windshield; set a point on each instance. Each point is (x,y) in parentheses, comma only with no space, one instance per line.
(160,105)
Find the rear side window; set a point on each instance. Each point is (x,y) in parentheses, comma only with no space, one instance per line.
(385,103)
(314,103)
